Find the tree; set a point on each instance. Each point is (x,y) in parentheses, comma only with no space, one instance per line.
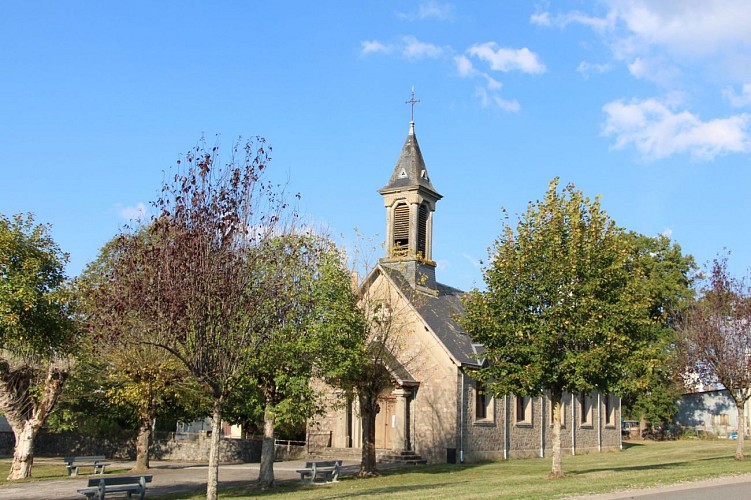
(561,304)
(37,332)
(649,388)
(195,283)
(139,377)
(316,337)
(716,338)
(382,322)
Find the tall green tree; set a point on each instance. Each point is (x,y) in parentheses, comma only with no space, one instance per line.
(318,336)
(561,306)
(195,284)
(716,338)
(37,332)
(649,386)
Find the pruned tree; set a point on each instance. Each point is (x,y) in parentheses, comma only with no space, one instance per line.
(195,282)
(716,338)
(561,304)
(37,332)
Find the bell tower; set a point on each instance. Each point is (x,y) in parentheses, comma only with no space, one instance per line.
(410,200)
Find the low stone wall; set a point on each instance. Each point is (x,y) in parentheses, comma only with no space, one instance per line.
(123,448)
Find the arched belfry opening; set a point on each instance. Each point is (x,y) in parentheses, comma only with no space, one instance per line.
(410,199)
(400,244)
(422,230)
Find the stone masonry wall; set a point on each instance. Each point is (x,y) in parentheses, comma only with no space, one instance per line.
(484,439)
(123,448)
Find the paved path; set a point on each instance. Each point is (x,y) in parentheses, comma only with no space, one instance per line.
(169,477)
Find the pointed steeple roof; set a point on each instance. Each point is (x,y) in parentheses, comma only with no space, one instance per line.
(410,171)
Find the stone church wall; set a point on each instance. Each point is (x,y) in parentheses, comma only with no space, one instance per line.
(481,439)
(434,409)
(485,439)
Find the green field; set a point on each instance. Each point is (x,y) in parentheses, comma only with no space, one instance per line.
(638,465)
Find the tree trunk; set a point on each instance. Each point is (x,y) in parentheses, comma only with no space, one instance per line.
(23,455)
(555,399)
(368,411)
(142,445)
(216,429)
(642,425)
(266,472)
(741,432)
(26,415)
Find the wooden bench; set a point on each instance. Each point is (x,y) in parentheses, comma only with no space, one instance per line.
(98,487)
(73,464)
(327,470)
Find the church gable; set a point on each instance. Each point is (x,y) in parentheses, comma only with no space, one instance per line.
(414,337)
(439,311)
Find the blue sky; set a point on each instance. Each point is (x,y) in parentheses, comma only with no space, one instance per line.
(645,103)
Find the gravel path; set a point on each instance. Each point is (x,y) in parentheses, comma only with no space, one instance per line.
(169,477)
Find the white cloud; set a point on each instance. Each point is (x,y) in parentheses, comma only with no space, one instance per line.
(493,100)
(492,83)
(414,49)
(487,54)
(656,131)
(738,100)
(661,41)
(137,212)
(574,17)
(375,47)
(689,27)
(473,260)
(658,70)
(541,19)
(464,66)
(505,59)
(430,10)
(586,68)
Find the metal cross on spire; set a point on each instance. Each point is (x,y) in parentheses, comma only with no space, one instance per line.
(412,101)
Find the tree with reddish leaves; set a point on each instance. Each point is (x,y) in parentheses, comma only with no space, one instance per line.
(193,280)
(716,338)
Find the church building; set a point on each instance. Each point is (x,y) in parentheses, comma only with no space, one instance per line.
(434,408)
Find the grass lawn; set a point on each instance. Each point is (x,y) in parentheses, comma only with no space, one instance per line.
(638,465)
(51,468)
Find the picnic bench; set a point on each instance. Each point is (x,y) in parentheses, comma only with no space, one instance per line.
(98,487)
(74,463)
(327,470)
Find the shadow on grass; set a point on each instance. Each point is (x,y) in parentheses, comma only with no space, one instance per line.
(627,445)
(232,490)
(650,466)
(427,469)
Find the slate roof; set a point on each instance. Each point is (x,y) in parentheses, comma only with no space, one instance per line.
(410,170)
(440,312)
